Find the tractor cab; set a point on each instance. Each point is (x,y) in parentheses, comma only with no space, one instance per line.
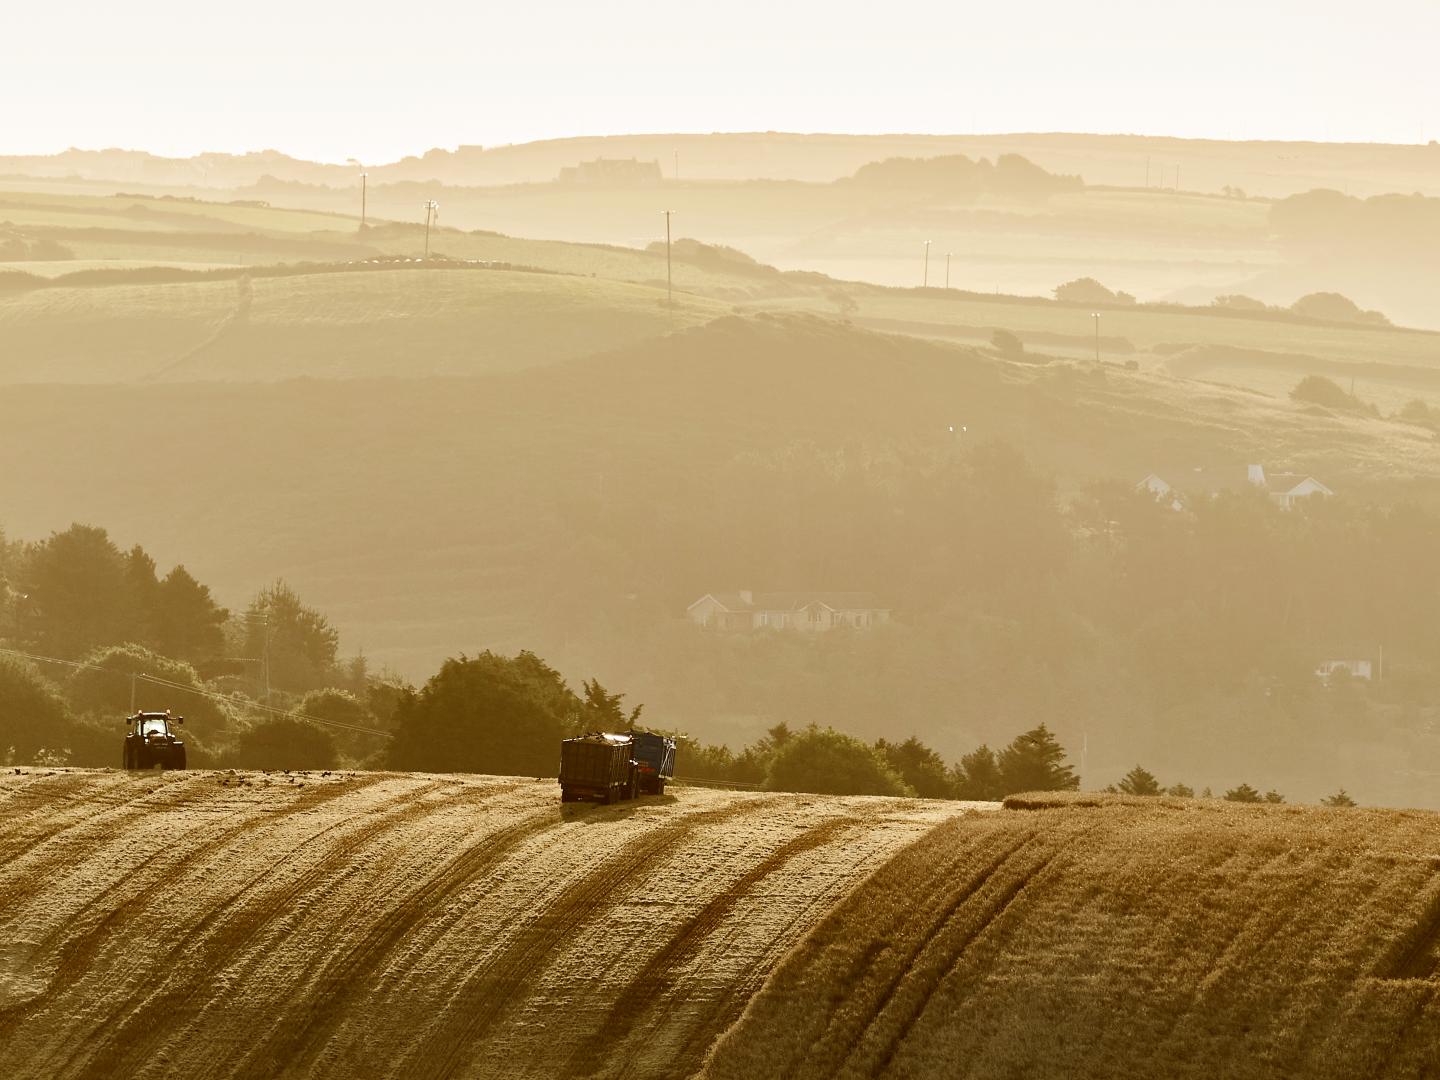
(151,739)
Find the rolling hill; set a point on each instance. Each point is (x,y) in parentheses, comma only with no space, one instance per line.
(387,925)
(374,925)
(464,503)
(349,322)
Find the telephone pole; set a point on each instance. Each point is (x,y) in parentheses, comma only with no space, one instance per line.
(669,282)
(364,181)
(925,280)
(947,269)
(1096,316)
(431,209)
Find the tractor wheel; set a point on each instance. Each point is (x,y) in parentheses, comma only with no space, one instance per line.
(660,786)
(178,760)
(125,757)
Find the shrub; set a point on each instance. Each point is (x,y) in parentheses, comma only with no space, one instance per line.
(1006,343)
(824,761)
(284,743)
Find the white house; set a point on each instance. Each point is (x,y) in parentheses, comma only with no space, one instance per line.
(1159,487)
(747,610)
(1286,488)
(1357,669)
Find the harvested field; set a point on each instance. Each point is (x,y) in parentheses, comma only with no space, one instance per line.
(1110,937)
(403,925)
(369,925)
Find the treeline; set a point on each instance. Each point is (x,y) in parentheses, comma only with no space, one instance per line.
(88,631)
(1382,227)
(1189,638)
(959,176)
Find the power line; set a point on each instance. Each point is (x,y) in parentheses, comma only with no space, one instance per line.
(211,694)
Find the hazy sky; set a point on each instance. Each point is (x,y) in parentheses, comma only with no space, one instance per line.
(379,80)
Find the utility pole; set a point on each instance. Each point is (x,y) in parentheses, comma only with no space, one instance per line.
(364,182)
(947,269)
(925,280)
(431,208)
(669,282)
(1096,316)
(677,165)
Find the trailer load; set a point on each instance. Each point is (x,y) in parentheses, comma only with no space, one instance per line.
(598,767)
(655,756)
(151,740)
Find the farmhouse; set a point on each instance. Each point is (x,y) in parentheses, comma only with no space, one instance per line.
(1286,488)
(807,611)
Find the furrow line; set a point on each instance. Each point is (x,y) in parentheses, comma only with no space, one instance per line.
(509,977)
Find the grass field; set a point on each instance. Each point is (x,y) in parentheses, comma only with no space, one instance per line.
(403,925)
(406,322)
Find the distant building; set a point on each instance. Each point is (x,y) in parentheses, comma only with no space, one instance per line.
(817,611)
(1161,489)
(1356,669)
(1286,488)
(612,172)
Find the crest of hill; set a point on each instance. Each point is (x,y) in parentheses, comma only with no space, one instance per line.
(1234,941)
(407,322)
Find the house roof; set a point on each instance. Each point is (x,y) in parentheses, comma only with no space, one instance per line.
(1284,483)
(795,601)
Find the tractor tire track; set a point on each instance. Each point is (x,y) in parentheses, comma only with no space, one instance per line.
(76,954)
(200,955)
(515,970)
(655,979)
(60,847)
(349,977)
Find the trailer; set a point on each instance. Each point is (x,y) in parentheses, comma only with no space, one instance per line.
(655,756)
(598,767)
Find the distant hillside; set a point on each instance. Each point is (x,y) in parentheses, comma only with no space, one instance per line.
(404,322)
(1266,168)
(427,513)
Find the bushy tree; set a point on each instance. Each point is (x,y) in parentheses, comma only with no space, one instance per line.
(1238,302)
(187,621)
(284,743)
(1089,291)
(1333,307)
(977,778)
(103,688)
(79,595)
(825,761)
(1006,343)
(299,642)
(1139,781)
(1318,390)
(1244,793)
(919,766)
(33,715)
(1180,791)
(1035,761)
(486,714)
(604,711)
(1340,798)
